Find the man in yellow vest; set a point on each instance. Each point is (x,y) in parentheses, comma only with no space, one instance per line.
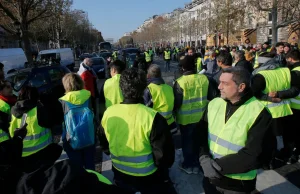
(167,58)
(191,99)
(265,80)
(137,138)
(259,50)
(291,133)
(110,93)
(159,96)
(231,138)
(148,58)
(267,47)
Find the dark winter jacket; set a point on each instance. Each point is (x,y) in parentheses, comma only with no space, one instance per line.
(247,157)
(245,64)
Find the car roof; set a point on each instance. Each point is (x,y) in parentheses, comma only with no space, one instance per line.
(32,69)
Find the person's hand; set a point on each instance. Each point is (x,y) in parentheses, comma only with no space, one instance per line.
(21,132)
(272,94)
(276,100)
(210,167)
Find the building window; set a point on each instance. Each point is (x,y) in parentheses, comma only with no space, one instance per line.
(270,17)
(270,31)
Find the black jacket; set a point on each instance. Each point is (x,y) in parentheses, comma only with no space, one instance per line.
(247,158)
(259,84)
(245,64)
(148,99)
(178,91)
(160,140)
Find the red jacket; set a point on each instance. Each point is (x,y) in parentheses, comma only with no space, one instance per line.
(89,79)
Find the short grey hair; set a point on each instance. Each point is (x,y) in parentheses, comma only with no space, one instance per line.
(240,54)
(154,71)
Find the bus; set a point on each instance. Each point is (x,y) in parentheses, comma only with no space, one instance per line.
(105,46)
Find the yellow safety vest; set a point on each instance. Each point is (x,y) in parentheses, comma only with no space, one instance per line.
(199,64)
(163,100)
(112,91)
(194,102)
(127,128)
(295,102)
(147,57)
(273,83)
(4,107)
(100,177)
(115,55)
(229,137)
(256,64)
(37,137)
(167,55)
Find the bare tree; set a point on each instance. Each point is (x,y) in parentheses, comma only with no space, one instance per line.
(21,14)
(283,12)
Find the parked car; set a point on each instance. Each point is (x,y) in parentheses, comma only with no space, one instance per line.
(84,55)
(105,55)
(12,58)
(99,65)
(48,81)
(62,56)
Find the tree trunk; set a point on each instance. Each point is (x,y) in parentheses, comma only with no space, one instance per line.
(274,22)
(27,46)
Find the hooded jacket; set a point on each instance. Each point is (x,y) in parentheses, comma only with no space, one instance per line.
(89,78)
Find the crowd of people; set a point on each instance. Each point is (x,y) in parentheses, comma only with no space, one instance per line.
(231,106)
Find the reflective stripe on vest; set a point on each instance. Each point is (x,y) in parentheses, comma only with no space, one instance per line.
(194,102)
(112,91)
(127,128)
(3,136)
(167,55)
(295,102)
(274,84)
(163,100)
(37,137)
(199,64)
(147,57)
(229,137)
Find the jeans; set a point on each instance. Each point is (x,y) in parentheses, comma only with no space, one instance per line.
(167,67)
(84,157)
(190,149)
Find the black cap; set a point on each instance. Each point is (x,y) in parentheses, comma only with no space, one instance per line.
(267,43)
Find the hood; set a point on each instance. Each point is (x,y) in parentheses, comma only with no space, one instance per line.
(268,65)
(77,97)
(157,81)
(22,107)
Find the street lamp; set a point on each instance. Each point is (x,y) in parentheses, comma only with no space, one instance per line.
(17,24)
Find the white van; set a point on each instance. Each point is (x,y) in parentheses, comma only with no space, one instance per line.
(64,56)
(12,58)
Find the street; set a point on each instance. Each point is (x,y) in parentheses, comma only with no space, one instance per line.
(282,180)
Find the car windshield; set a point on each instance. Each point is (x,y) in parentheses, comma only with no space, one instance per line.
(97,61)
(46,57)
(18,80)
(105,46)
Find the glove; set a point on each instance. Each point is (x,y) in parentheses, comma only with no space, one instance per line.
(21,132)
(210,167)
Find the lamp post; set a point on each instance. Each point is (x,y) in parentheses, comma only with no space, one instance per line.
(18,33)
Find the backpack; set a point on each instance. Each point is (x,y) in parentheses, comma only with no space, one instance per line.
(79,125)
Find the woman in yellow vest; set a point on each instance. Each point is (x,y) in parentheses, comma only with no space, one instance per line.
(232,139)
(30,110)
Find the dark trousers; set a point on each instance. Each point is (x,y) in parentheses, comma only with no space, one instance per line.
(167,67)
(212,189)
(190,149)
(84,157)
(156,183)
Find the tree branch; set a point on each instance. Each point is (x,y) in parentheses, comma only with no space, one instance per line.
(38,16)
(8,12)
(286,23)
